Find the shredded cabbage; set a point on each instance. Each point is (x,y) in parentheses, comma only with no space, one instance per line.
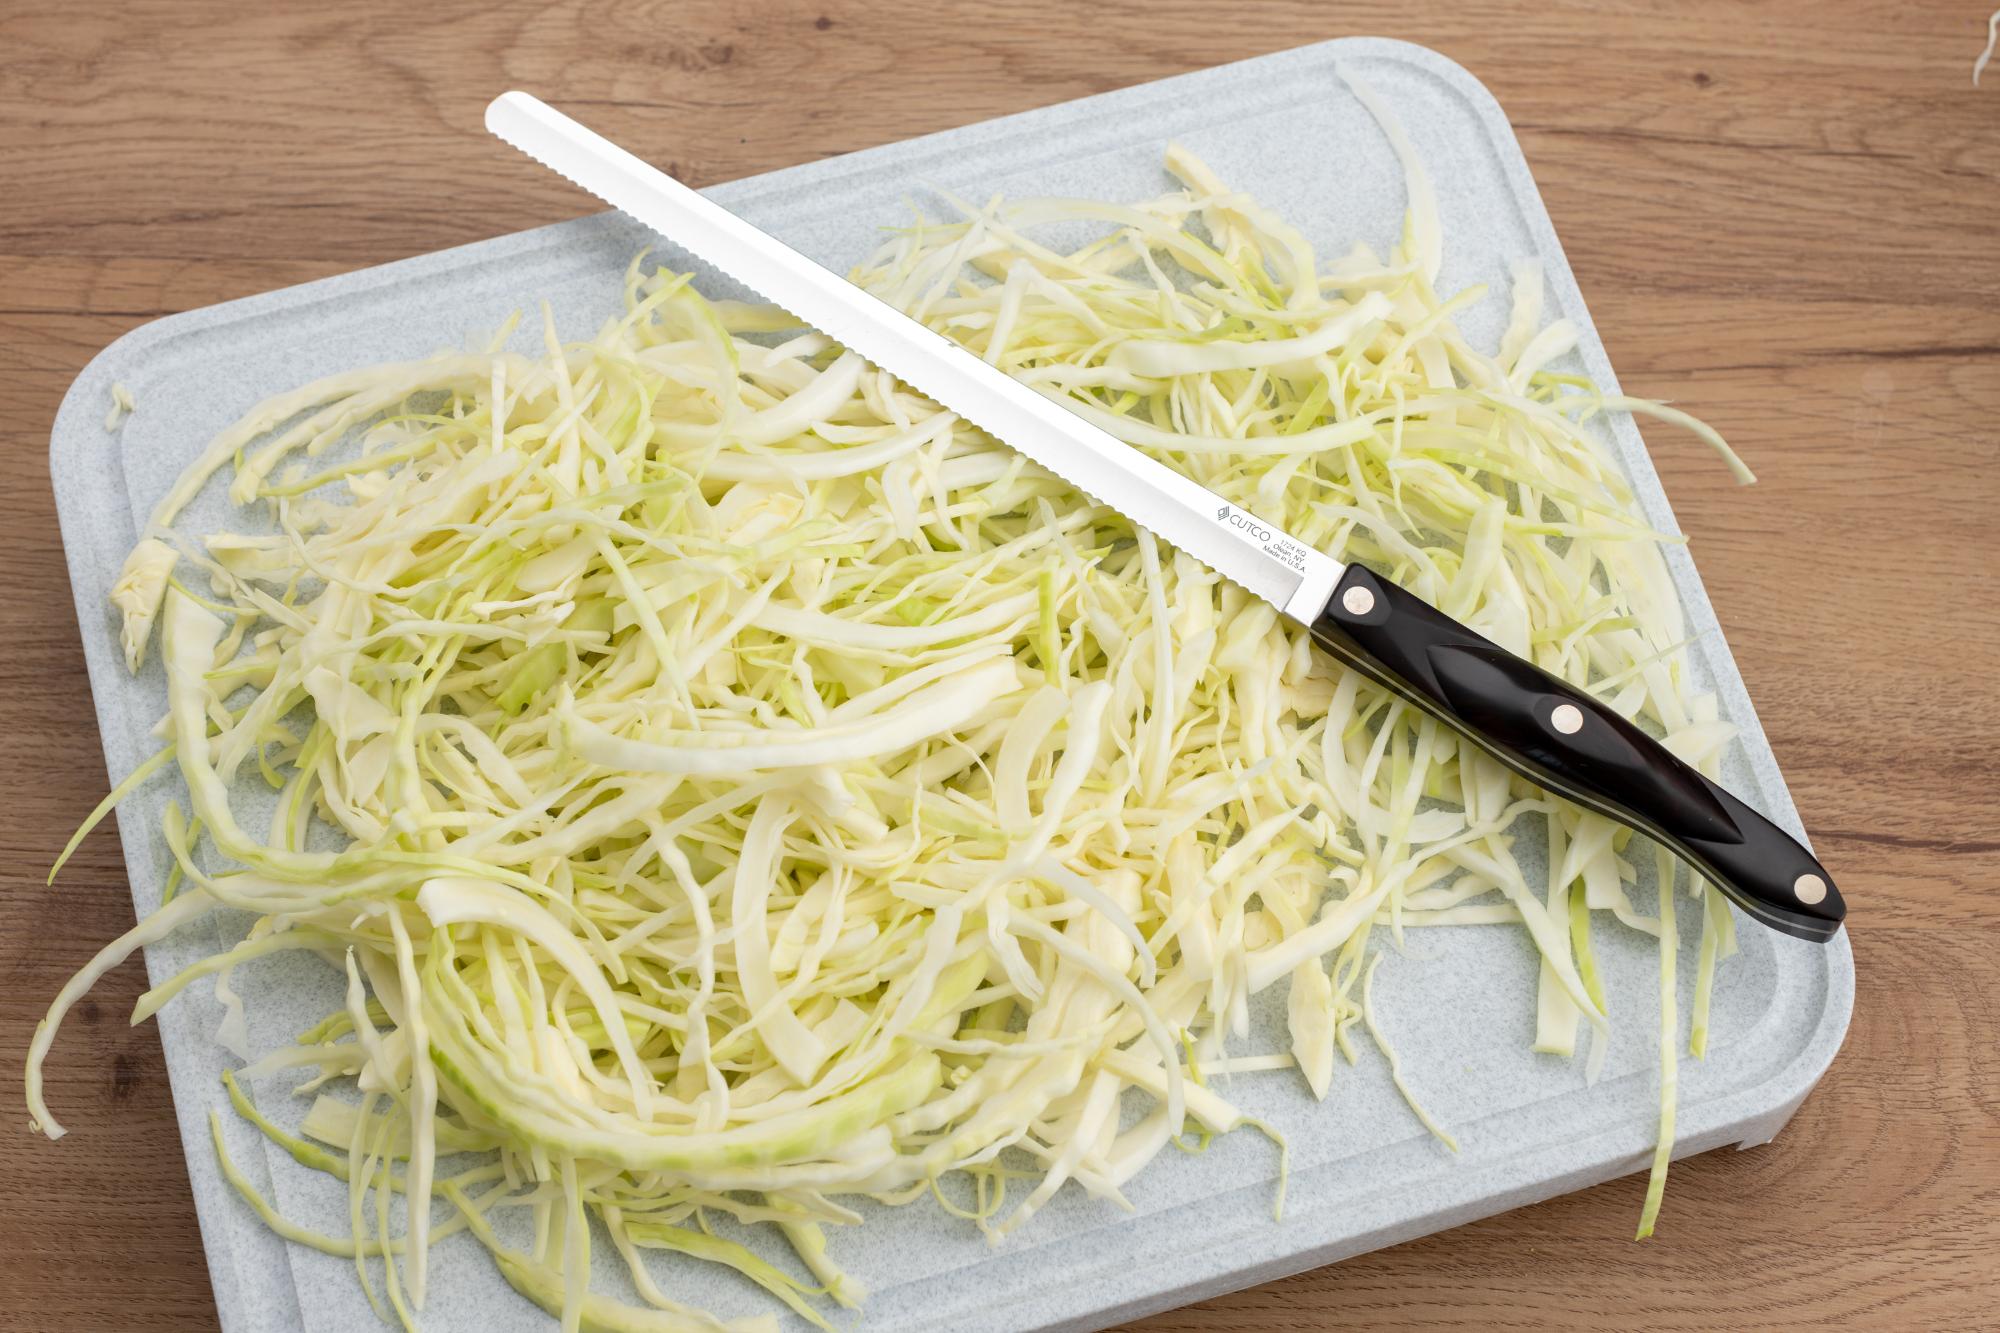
(752,785)
(122,406)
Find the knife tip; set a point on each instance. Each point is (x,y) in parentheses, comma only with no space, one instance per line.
(513,100)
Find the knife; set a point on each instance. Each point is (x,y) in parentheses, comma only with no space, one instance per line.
(1538,725)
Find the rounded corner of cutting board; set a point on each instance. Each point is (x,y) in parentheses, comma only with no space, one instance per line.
(132,349)
(74,414)
(1799,1052)
(1431,61)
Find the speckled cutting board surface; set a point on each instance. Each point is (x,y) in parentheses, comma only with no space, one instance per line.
(1460,1003)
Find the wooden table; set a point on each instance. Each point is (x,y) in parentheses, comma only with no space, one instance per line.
(1785,217)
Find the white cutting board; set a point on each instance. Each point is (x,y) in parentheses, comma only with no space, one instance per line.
(1460,1005)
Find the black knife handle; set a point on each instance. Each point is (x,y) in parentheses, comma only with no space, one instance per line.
(1562,739)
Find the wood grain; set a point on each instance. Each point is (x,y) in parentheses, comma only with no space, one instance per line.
(1784,216)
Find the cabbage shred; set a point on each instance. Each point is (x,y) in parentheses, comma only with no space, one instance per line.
(753,786)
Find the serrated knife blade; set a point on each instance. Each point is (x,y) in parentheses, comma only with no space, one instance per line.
(1285,572)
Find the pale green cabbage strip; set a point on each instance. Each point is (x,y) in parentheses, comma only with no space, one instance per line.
(757,787)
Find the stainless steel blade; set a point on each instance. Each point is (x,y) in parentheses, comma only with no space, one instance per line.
(1286,572)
